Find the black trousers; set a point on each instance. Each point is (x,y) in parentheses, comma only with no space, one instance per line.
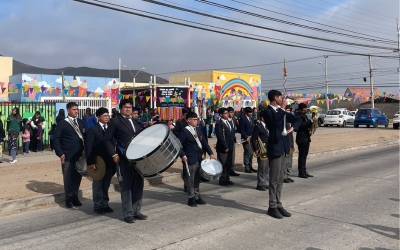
(303,152)
(226,161)
(210,129)
(72,180)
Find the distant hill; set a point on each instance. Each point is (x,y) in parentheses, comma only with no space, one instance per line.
(143,76)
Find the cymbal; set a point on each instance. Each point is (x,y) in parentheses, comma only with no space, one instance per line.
(100,170)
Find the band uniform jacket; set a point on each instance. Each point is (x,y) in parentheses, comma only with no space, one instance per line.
(181,124)
(94,146)
(233,124)
(289,136)
(246,126)
(203,128)
(67,142)
(225,137)
(303,134)
(262,132)
(190,149)
(121,130)
(277,145)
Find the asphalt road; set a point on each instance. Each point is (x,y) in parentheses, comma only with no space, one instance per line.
(351,203)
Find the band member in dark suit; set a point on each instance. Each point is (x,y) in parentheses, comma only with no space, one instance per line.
(68,145)
(277,149)
(260,130)
(193,141)
(225,143)
(246,124)
(232,122)
(303,140)
(94,146)
(179,126)
(122,129)
(289,137)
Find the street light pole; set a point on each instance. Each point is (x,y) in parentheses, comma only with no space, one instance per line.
(371,81)
(326,81)
(133,87)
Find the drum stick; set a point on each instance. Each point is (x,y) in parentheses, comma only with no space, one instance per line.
(119,174)
(187,168)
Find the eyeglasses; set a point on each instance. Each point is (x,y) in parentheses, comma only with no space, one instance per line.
(125,107)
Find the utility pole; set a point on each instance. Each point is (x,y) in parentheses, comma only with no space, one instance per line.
(119,77)
(62,85)
(371,81)
(326,83)
(398,43)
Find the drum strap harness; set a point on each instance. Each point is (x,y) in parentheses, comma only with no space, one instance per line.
(194,136)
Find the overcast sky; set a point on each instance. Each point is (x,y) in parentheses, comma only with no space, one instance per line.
(61,33)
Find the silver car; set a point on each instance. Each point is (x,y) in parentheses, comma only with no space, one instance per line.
(338,117)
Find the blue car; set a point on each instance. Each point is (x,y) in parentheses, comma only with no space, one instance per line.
(370,116)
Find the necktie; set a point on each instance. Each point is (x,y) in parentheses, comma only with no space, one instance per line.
(130,122)
(76,123)
(105,127)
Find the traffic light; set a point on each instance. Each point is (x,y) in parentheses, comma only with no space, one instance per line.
(365,79)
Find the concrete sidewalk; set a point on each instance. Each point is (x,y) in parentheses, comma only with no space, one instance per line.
(171,175)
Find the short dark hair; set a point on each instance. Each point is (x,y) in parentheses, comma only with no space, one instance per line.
(101,111)
(230,109)
(248,110)
(272,94)
(37,113)
(125,101)
(185,110)
(72,104)
(136,109)
(191,115)
(302,106)
(222,110)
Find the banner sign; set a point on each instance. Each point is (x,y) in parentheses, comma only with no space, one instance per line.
(171,97)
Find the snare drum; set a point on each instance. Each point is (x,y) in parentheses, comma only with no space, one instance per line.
(210,169)
(153,150)
(81,166)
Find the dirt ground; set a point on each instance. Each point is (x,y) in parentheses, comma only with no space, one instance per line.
(35,176)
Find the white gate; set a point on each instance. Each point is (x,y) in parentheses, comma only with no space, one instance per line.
(83,103)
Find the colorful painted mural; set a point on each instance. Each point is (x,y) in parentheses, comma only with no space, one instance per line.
(30,87)
(228,86)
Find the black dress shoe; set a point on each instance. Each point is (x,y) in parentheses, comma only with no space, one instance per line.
(200,201)
(223,183)
(129,219)
(286,180)
(248,171)
(68,204)
(230,182)
(76,202)
(140,217)
(261,188)
(252,169)
(303,176)
(99,211)
(290,179)
(266,186)
(284,212)
(108,209)
(192,202)
(273,212)
(204,179)
(185,189)
(233,173)
(308,175)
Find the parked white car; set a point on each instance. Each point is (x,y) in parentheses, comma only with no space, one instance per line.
(338,117)
(396,120)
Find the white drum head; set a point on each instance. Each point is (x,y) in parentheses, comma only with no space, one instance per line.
(146,141)
(211,166)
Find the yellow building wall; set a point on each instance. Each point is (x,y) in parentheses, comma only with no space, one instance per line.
(6,66)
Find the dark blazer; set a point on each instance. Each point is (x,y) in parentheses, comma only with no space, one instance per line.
(181,124)
(67,142)
(190,149)
(262,132)
(94,145)
(289,137)
(246,127)
(2,131)
(121,130)
(277,145)
(59,118)
(303,135)
(203,128)
(225,137)
(233,125)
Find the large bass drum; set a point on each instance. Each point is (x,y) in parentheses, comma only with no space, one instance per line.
(153,150)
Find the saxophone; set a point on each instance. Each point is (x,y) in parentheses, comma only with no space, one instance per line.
(262,152)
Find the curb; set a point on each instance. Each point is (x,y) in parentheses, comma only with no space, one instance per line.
(24,204)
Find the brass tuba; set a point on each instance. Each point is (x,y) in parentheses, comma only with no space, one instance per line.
(262,151)
(314,110)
